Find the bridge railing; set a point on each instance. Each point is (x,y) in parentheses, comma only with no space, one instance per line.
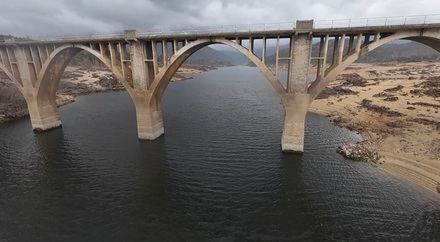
(318,24)
(378,22)
(220,29)
(250,28)
(78,37)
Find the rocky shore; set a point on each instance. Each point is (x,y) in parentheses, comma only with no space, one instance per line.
(395,107)
(185,73)
(361,151)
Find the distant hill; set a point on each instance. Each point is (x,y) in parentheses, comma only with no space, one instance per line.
(3,37)
(410,51)
(209,56)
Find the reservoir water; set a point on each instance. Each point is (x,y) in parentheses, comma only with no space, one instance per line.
(217,174)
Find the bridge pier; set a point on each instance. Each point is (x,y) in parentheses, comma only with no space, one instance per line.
(295,110)
(296,101)
(43,112)
(148,117)
(40,99)
(147,105)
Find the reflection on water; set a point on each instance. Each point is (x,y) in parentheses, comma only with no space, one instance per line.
(217,173)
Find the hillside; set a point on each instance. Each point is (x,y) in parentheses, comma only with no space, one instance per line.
(209,56)
(405,52)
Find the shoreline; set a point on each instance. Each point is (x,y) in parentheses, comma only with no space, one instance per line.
(391,106)
(400,166)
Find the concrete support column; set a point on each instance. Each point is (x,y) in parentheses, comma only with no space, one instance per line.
(297,100)
(164,52)
(350,43)
(376,36)
(149,117)
(251,44)
(139,68)
(295,108)
(358,43)
(340,53)
(277,55)
(299,66)
(263,55)
(322,61)
(43,112)
(335,51)
(367,39)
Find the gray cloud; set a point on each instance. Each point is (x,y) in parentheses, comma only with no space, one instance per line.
(66,17)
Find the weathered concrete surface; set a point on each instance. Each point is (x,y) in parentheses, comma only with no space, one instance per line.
(148,116)
(44,115)
(295,110)
(296,101)
(36,67)
(299,66)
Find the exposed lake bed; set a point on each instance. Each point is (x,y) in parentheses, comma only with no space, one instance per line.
(395,107)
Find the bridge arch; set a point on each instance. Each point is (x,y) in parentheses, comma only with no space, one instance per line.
(164,76)
(430,39)
(41,95)
(50,74)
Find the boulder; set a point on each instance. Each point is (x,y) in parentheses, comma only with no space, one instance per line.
(360,151)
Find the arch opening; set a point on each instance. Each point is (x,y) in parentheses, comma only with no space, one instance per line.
(429,39)
(238,84)
(85,74)
(54,69)
(42,101)
(165,75)
(154,125)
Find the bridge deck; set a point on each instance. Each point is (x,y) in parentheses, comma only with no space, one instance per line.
(182,35)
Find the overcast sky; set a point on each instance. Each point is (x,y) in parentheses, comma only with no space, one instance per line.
(62,17)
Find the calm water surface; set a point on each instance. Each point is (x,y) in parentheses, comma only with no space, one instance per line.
(217,174)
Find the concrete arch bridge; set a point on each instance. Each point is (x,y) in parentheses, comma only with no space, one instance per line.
(145,64)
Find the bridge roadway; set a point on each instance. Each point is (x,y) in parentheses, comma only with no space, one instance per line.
(145,64)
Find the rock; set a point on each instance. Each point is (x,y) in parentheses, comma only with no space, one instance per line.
(367,104)
(336,91)
(71,75)
(391,99)
(430,87)
(438,187)
(110,82)
(382,94)
(394,89)
(354,79)
(360,151)
(426,104)
(425,121)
